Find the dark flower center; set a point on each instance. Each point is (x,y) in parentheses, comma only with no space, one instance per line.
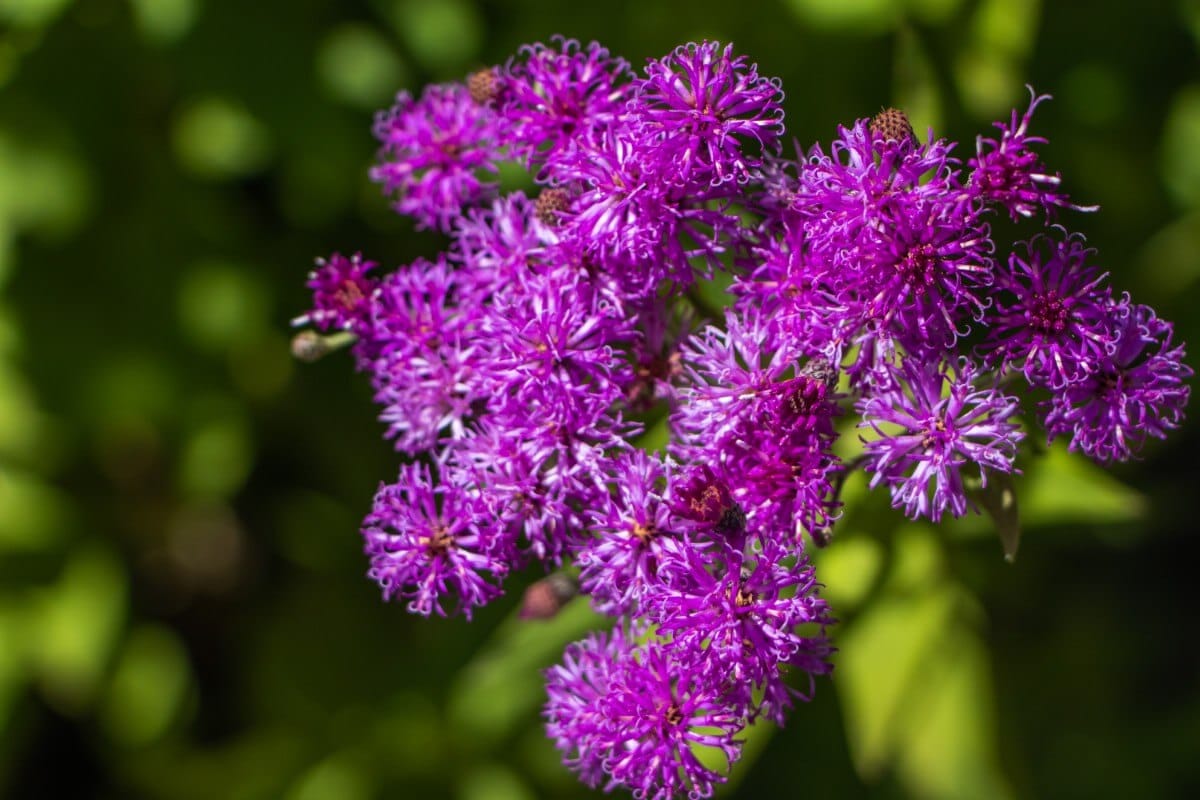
(1048,314)
(918,268)
(673,715)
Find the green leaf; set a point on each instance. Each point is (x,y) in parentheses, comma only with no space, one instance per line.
(1067,487)
(503,685)
(999,499)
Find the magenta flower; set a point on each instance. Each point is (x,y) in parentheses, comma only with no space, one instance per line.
(434,150)
(927,438)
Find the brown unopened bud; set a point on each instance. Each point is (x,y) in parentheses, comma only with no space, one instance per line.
(310,346)
(544,599)
(892,124)
(483,85)
(550,203)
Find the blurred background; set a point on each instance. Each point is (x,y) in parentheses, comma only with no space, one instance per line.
(183,607)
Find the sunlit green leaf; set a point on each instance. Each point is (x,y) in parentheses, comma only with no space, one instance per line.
(216,137)
(1180,160)
(445,36)
(1068,487)
(164,21)
(81,617)
(503,684)
(32,515)
(862,17)
(358,66)
(148,687)
(335,778)
(493,781)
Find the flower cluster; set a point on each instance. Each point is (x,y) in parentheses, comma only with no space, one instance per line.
(519,370)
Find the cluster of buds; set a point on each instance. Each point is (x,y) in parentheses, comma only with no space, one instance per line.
(519,370)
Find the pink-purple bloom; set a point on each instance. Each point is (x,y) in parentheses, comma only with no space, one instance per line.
(527,374)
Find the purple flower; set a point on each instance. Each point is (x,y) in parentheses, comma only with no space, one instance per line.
(1053,315)
(1132,393)
(429,542)
(557,96)
(712,116)
(341,293)
(927,437)
(1007,172)
(659,715)
(433,151)
(631,534)
(574,713)
(737,617)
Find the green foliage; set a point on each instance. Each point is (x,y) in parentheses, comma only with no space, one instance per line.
(183,612)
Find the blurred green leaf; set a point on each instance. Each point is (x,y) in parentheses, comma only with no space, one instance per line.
(503,685)
(164,21)
(32,514)
(217,457)
(444,36)
(860,17)
(148,688)
(848,567)
(216,137)
(492,781)
(221,304)
(1067,487)
(359,67)
(912,675)
(1180,158)
(31,13)
(335,778)
(81,617)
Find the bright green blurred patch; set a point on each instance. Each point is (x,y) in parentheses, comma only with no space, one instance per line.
(149,686)
(1170,262)
(1180,156)
(916,89)
(358,66)
(863,17)
(1067,487)
(990,63)
(218,138)
(221,304)
(493,781)
(80,619)
(914,681)
(848,567)
(335,778)
(445,36)
(33,516)
(42,189)
(164,21)
(31,13)
(503,685)
(217,456)
(19,422)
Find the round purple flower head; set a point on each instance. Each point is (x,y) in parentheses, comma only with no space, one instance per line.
(1134,392)
(429,542)
(715,115)
(927,437)
(433,151)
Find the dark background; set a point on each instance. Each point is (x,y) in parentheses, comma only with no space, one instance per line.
(183,611)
